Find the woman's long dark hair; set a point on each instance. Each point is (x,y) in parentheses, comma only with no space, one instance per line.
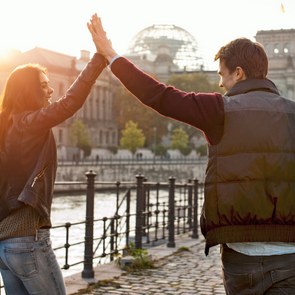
(21,93)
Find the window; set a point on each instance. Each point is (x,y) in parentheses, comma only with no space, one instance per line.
(286,48)
(276,49)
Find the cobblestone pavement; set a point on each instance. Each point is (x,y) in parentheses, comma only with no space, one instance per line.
(183,273)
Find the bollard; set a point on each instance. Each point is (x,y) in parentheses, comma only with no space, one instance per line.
(196,204)
(171,213)
(88,271)
(139,209)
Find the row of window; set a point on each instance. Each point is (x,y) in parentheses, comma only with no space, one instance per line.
(276,49)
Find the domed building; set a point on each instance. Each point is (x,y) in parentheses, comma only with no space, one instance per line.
(163,49)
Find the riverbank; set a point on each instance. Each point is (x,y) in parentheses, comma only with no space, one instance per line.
(153,170)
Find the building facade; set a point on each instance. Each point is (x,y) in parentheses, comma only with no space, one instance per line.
(63,69)
(280,49)
(159,50)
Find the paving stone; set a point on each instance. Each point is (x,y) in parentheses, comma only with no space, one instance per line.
(183,273)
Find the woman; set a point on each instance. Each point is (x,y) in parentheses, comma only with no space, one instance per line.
(28,159)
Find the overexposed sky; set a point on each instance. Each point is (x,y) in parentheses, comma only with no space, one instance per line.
(60,25)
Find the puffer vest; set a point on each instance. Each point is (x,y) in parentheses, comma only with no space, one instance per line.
(250,178)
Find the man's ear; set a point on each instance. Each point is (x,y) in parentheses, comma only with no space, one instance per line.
(240,74)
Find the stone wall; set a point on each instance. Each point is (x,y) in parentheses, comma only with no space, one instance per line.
(158,171)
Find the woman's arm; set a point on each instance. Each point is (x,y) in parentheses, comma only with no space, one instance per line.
(73,100)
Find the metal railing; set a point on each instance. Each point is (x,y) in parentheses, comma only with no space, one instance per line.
(146,213)
(156,160)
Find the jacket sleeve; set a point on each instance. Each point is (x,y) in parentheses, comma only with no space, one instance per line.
(204,111)
(71,102)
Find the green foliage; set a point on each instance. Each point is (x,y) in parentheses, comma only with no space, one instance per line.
(141,259)
(79,136)
(180,140)
(192,82)
(183,249)
(113,149)
(196,82)
(126,108)
(160,150)
(202,150)
(132,137)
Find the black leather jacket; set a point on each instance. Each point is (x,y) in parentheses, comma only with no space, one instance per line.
(30,150)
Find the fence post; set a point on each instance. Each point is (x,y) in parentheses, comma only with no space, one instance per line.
(128,217)
(171,213)
(88,271)
(190,204)
(112,238)
(139,210)
(196,204)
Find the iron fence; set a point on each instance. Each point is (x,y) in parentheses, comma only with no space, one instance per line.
(145,213)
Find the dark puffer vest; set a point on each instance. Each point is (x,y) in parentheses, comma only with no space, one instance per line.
(250,179)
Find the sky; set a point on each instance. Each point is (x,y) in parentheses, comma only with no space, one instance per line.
(60,25)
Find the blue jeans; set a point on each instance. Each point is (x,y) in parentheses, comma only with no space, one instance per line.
(29,266)
(257,275)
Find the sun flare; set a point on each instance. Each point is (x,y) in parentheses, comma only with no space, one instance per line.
(7,53)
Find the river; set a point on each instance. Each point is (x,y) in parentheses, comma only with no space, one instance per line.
(72,209)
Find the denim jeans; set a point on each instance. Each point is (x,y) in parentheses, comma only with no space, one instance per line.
(29,266)
(257,275)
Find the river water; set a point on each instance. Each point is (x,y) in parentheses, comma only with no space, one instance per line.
(72,209)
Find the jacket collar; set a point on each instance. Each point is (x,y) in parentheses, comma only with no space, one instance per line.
(252,85)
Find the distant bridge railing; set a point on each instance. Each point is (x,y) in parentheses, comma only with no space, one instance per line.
(146,213)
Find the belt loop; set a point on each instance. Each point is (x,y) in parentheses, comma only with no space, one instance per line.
(36,235)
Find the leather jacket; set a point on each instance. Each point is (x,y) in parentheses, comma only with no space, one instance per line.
(30,150)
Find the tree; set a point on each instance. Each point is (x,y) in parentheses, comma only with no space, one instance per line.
(202,150)
(127,108)
(79,136)
(132,137)
(180,140)
(196,82)
(192,82)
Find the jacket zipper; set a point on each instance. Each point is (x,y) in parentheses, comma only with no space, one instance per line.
(39,175)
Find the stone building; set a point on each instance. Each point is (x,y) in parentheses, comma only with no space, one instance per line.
(161,50)
(280,48)
(62,70)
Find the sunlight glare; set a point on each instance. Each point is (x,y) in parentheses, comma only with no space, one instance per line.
(6,53)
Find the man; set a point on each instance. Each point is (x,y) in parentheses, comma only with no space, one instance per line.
(249,206)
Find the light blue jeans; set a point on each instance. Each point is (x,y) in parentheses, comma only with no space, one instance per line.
(28,266)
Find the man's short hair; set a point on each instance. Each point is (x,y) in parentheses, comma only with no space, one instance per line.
(244,53)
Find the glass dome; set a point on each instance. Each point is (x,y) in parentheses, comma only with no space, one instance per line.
(177,42)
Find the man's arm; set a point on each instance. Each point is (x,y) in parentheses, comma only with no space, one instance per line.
(202,110)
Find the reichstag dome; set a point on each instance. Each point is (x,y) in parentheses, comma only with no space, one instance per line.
(172,40)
